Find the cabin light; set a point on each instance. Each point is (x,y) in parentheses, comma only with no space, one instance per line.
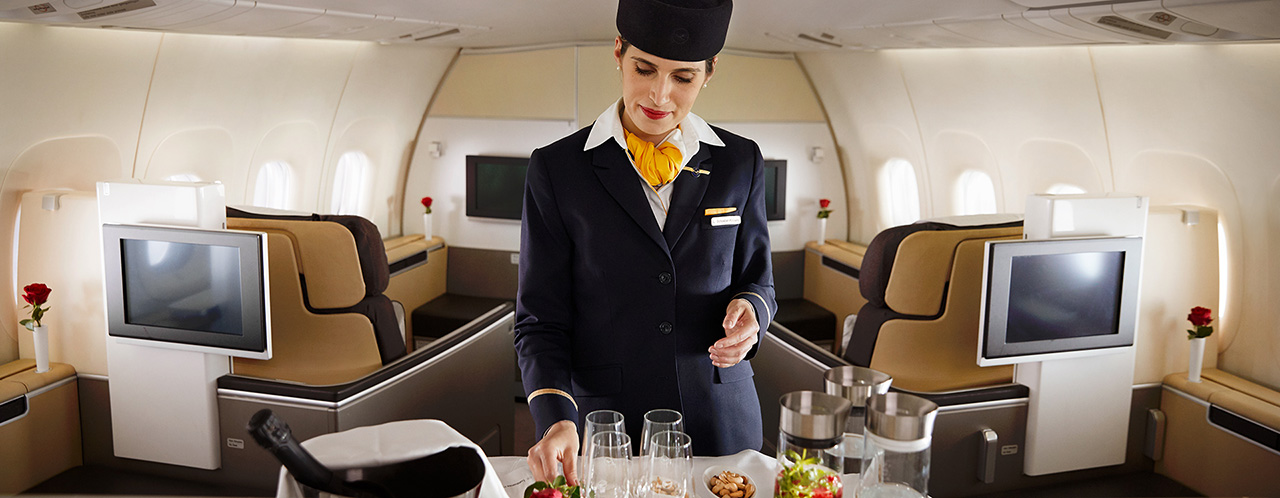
(435,149)
(51,202)
(816,154)
(1191,217)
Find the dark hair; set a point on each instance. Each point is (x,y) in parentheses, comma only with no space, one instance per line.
(711,63)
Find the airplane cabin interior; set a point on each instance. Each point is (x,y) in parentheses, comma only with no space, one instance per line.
(314,207)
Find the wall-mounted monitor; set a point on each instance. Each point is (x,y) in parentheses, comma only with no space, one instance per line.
(495,186)
(775,189)
(186,288)
(1058,298)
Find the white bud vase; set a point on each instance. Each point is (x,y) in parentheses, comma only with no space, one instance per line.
(1197,359)
(822,231)
(426,225)
(41,342)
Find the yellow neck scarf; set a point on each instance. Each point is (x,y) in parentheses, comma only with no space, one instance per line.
(658,165)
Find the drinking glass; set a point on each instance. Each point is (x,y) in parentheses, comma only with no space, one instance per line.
(670,469)
(609,472)
(656,421)
(598,421)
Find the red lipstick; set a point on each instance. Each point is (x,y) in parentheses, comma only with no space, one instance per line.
(654,115)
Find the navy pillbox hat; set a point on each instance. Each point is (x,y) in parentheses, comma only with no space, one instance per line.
(681,30)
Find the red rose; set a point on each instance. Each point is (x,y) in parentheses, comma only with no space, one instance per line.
(1200,316)
(36,294)
(426,202)
(823,203)
(548,493)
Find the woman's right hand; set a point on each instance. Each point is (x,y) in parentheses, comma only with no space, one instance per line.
(559,445)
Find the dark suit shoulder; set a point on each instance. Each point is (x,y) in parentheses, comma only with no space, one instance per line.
(571,144)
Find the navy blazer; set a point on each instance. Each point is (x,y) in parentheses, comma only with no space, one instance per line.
(613,313)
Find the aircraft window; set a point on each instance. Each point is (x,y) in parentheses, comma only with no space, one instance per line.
(183,177)
(899,194)
(272,188)
(975,194)
(1064,188)
(350,182)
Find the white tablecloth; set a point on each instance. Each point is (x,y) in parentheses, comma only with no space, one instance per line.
(515,475)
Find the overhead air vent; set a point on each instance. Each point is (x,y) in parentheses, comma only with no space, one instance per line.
(1118,22)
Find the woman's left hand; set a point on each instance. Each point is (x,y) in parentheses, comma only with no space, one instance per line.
(740,330)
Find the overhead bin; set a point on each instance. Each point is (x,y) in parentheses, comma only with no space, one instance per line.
(909,35)
(1003,31)
(261,19)
(329,24)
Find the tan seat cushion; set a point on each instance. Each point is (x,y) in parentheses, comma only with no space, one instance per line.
(325,252)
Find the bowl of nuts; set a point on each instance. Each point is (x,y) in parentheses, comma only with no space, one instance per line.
(724,482)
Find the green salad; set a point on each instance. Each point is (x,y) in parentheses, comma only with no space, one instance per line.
(805,478)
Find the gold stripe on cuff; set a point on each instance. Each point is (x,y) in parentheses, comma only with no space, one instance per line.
(767,312)
(549,390)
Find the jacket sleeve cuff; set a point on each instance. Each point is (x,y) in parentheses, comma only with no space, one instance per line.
(764,315)
(549,406)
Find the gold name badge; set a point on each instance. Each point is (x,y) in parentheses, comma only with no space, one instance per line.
(715,211)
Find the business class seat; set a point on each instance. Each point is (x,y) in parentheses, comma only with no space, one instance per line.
(337,365)
(330,321)
(923,285)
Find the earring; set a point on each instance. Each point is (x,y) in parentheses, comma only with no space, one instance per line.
(619,68)
(704,85)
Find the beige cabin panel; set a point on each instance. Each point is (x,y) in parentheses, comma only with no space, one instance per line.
(536,85)
(62,250)
(243,86)
(758,89)
(1180,272)
(1195,124)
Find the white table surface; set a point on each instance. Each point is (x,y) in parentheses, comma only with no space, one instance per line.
(514,472)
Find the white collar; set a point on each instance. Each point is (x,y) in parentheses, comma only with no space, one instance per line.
(609,124)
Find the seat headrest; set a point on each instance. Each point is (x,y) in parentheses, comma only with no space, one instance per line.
(369,248)
(926,250)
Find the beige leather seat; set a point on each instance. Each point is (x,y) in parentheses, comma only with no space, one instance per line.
(330,322)
(923,284)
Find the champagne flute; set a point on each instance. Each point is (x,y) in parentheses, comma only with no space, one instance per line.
(670,465)
(596,422)
(656,421)
(609,466)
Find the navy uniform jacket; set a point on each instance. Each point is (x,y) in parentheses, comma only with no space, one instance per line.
(614,314)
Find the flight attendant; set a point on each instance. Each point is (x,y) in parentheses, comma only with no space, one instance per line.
(645,275)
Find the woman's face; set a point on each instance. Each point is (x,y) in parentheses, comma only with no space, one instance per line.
(657,93)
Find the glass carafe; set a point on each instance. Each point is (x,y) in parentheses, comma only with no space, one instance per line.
(898,435)
(810,430)
(855,384)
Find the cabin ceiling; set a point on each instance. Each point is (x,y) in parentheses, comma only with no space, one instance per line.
(758,25)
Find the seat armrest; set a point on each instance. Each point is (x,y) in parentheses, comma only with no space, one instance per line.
(338,393)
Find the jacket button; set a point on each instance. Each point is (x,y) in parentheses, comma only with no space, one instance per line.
(664,327)
(664,278)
